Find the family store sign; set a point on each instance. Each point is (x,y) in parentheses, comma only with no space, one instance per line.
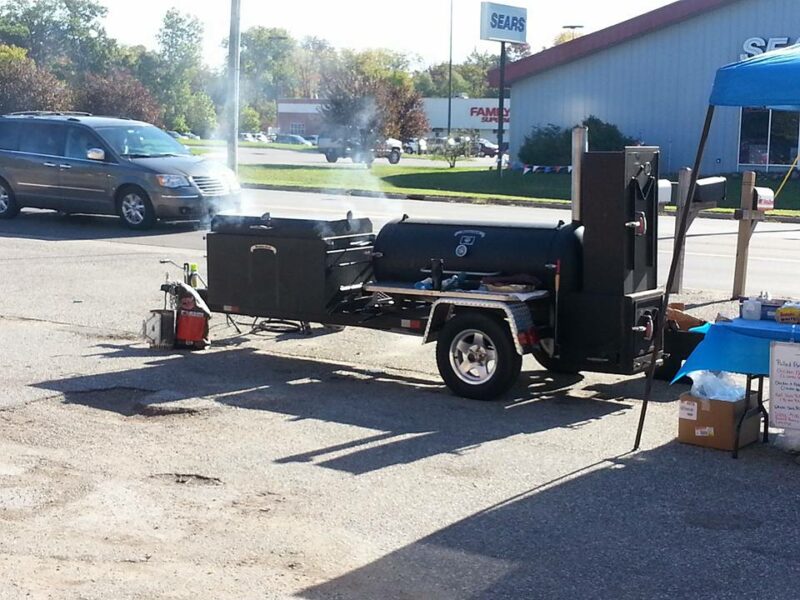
(489,114)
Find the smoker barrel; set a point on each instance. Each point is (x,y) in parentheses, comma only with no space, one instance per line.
(405,248)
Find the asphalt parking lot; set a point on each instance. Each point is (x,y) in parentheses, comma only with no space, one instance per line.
(337,465)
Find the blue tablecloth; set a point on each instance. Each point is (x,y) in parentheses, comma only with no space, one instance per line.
(738,346)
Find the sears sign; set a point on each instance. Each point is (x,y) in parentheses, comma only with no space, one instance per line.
(501,23)
(757,45)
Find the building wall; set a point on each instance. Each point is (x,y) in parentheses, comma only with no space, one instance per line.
(656,87)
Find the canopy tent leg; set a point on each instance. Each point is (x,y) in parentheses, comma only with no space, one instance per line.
(680,239)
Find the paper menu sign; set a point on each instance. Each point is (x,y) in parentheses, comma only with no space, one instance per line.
(784,385)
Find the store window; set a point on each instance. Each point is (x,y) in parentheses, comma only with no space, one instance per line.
(768,138)
(297,128)
(783,137)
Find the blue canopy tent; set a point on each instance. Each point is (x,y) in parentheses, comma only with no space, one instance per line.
(770,80)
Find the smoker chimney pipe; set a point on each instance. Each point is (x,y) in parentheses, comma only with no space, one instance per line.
(580,145)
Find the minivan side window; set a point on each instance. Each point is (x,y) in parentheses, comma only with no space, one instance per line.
(80,141)
(43,138)
(9,132)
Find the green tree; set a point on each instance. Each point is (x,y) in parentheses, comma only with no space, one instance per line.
(179,61)
(268,114)
(268,64)
(12,53)
(201,116)
(312,58)
(249,119)
(66,36)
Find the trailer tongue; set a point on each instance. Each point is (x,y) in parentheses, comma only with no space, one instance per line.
(578,296)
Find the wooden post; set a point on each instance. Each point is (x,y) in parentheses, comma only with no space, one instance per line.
(684,181)
(746,229)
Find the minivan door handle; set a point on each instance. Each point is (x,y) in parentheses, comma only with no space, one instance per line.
(65,166)
(49,164)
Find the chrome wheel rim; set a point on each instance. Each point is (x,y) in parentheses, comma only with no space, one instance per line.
(133,209)
(5,200)
(473,357)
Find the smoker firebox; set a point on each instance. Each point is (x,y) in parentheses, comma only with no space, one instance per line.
(286,268)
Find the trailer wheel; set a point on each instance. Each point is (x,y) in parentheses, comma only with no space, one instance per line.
(476,357)
(331,156)
(394,157)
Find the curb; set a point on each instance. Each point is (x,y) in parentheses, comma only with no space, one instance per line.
(532,203)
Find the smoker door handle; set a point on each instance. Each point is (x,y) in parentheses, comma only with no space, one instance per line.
(263,247)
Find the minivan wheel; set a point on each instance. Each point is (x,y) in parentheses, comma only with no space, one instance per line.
(8,205)
(135,209)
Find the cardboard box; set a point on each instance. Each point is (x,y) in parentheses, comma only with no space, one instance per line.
(712,423)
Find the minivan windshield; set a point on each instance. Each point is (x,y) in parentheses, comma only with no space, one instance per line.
(141,141)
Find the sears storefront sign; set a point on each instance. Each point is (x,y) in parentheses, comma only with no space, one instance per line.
(501,23)
(757,45)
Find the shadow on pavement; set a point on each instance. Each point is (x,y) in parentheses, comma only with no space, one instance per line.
(48,225)
(415,416)
(675,522)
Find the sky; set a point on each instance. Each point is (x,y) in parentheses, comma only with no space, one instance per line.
(415,27)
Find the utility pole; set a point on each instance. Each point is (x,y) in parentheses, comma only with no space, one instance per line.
(501,110)
(450,77)
(234,43)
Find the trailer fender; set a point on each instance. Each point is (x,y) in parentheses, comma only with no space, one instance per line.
(517,316)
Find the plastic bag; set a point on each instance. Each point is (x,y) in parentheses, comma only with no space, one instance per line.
(787,440)
(716,386)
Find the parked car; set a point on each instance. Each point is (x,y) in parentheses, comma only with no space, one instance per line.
(102,165)
(314,139)
(415,146)
(247,137)
(484,147)
(261,137)
(174,134)
(295,140)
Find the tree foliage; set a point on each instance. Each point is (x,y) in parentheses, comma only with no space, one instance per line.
(551,145)
(249,119)
(402,112)
(371,91)
(566,36)
(65,36)
(178,63)
(459,145)
(118,94)
(24,86)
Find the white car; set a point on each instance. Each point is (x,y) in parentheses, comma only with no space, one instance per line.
(416,146)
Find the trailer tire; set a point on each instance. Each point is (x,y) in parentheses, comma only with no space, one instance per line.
(331,156)
(476,356)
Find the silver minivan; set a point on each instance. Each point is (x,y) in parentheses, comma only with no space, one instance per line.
(78,163)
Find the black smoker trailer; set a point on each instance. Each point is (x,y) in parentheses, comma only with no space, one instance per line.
(594,307)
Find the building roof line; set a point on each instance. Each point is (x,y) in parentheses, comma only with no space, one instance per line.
(609,37)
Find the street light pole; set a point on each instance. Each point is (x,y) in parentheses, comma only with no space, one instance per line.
(234,44)
(501,109)
(573,28)
(450,77)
